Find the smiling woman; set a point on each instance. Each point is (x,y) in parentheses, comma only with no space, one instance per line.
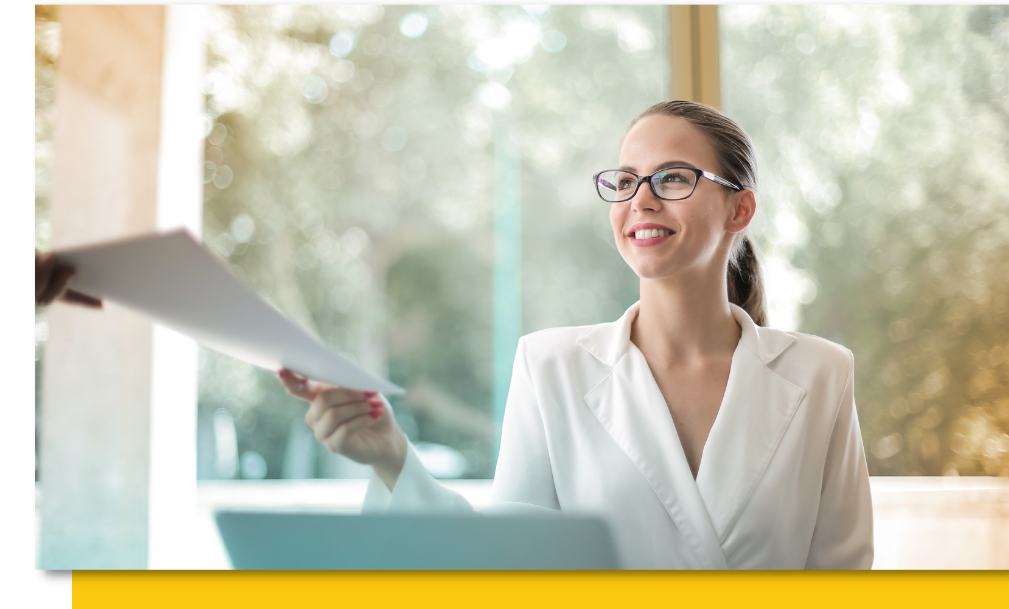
(705,440)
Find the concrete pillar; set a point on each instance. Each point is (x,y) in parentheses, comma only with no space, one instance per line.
(126,148)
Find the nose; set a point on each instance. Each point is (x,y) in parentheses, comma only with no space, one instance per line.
(645,199)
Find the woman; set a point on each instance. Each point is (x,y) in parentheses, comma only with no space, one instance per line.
(705,439)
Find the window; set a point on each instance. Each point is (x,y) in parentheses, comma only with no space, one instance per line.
(881,136)
(414,185)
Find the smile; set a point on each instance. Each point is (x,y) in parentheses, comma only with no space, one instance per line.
(651,233)
(647,235)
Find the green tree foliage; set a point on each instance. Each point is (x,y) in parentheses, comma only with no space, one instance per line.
(882,138)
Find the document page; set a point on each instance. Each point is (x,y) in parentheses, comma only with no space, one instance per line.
(172,280)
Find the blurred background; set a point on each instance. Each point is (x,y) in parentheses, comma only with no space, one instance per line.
(413,185)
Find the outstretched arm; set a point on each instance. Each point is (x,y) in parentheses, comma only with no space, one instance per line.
(359,425)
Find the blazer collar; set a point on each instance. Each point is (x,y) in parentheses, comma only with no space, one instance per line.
(755,410)
(608,342)
(630,407)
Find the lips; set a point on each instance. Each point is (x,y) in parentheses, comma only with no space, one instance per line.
(647,234)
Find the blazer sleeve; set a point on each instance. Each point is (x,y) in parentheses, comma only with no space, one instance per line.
(843,537)
(416,490)
(523,477)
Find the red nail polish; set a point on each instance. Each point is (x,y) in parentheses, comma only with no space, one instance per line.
(370,393)
(375,404)
(376,413)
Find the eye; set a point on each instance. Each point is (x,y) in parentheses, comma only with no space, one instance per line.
(625,184)
(673,177)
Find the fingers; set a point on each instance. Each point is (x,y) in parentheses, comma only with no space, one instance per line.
(51,283)
(330,407)
(44,264)
(296,385)
(346,431)
(337,397)
(331,419)
(57,284)
(84,300)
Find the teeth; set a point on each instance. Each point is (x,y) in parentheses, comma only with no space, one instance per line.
(651,233)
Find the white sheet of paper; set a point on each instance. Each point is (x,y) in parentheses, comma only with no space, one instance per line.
(172,280)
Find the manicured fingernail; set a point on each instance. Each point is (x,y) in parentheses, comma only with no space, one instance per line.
(376,413)
(375,404)
(370,393)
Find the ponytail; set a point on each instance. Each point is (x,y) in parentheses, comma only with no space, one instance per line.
(746,282)
(738,163)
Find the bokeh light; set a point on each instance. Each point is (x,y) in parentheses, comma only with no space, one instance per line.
(880,133)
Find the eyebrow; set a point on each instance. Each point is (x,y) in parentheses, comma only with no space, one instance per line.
(661,166)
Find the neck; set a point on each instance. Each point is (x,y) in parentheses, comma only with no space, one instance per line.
(685,319)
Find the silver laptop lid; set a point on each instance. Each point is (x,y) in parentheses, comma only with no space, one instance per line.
(289,540)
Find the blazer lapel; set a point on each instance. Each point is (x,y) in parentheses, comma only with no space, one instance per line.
(755,411)
(630,406)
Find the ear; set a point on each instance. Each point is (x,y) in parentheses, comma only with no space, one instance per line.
(744,205)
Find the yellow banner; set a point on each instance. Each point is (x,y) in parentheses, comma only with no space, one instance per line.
(277,589)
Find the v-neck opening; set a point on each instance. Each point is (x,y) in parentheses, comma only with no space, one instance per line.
(718,415)
(626,405)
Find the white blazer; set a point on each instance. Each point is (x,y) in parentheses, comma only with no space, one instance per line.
(782,482)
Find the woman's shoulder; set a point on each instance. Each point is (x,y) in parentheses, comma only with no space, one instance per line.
(813,361)
(563,344)
(562,358)
(555,340)
(817,349)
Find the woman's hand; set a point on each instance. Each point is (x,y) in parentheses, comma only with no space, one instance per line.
(351,423)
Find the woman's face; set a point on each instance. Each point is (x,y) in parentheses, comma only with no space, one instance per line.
(700,228)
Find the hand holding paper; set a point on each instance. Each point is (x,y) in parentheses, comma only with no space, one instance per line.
(174,281)
(52,283)
(354,424)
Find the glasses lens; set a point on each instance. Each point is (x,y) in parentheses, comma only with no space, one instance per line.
(614,186)
(674,183)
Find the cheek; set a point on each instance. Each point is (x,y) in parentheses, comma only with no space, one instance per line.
(707,218)
(616,221)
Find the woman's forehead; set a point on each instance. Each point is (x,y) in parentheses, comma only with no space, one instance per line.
(657,140)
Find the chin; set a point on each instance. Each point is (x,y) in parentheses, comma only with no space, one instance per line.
(652,269)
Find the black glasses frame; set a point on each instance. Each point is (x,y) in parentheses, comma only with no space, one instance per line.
(700,173)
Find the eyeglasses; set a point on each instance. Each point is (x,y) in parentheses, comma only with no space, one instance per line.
(670,184)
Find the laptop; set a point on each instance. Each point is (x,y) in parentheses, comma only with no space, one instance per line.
(299,540)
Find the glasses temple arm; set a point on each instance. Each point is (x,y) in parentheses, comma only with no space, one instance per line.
(718,180)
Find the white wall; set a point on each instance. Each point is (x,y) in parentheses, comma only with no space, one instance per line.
(118,444)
